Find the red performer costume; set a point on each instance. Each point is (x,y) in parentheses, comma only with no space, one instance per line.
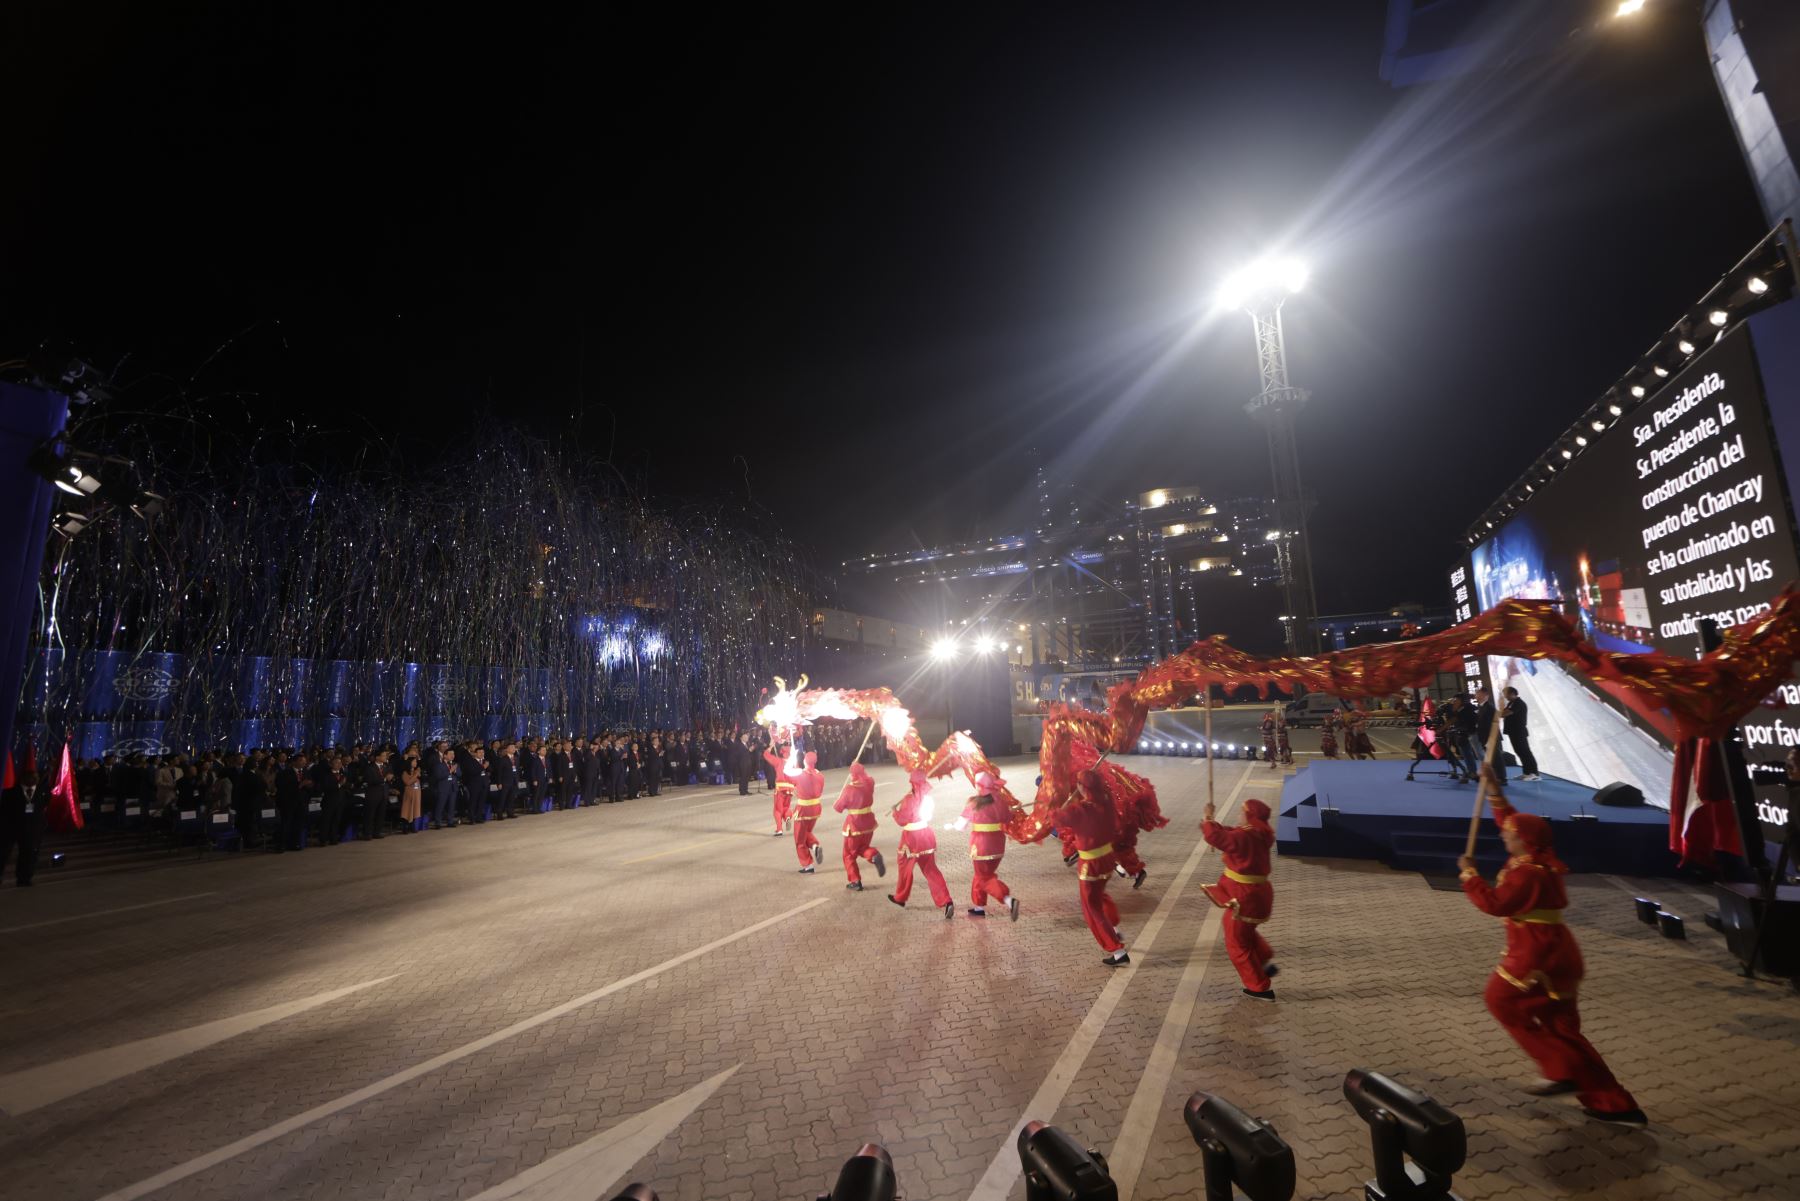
(1244,891)
(918,847)
(985,819)
(1089,822)
(1268,733)
(809,787)
(784,789)
(1281,739)
(1532,992)
(857,804)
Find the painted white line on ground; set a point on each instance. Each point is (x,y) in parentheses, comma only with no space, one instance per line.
(192,1167)
(76,917)
(34,1088)
(1003,1171)
(588,1171)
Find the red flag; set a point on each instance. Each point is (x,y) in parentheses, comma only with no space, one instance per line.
(64,814)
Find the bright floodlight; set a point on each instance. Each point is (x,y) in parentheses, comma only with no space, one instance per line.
(1718,317)
(1627,7)
(984,645)
(1637,390)
(944,649)
(1265,277)
(1758,285)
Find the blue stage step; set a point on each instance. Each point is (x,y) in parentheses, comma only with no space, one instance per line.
(1369,810)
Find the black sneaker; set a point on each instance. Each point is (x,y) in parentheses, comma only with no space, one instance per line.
(880,865)
(949,910)
(902,904)
(977,911)
(807,871)
(1624,1117)
(1119,870)
(779,833)
(1116,959)
(1069,860)
(1137,881)
(1267,994)
(853,886)
(1012,908)
(818,853)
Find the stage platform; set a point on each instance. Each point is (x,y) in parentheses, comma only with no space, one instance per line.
(1369,810)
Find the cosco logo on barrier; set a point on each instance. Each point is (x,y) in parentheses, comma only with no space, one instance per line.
(144,683)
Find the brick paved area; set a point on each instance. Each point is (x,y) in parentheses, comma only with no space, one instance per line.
(846,1020)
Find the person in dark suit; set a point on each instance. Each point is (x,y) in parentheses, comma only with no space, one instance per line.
(290,803)
(584,771)
(741,761)
(248,794)
(506,787)
(374,787)
(435,773)
(22,809)
(534,778)
(328,783)
(618,773)
(562,774)
(1514,723)
(653,766)
(1485,716)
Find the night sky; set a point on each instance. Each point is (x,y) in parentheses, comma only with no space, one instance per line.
(866,268)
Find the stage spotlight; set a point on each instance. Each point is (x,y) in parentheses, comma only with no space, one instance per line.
(1684,346)
(1057,1169)
(1757,285)
(944,649)
(984,645)
(69,523)
(1661,371)
(1238,1150)
(1404,1122)
(1615,410)
(1581,439)
(866,1176)
(1597,425)
(1568,454)
(637,1192)
(1531,487)
(1718,317)
(1265,277)
(1637,390)
(60,468)
(1627,7)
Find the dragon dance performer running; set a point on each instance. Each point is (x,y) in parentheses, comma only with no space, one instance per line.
(1090,823)
(1134,810)
(857,804)
(784,788)
(809,789)
(1244,891)
(985,819)
(1532,992)
(918,847)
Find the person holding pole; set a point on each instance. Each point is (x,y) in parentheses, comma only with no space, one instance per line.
(1244,891)
(918,847)
(1532,992)
(857,804)
(1090,822)
(985,819)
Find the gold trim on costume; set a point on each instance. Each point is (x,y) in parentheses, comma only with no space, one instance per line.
(1097,852)
(916,826)
(1539,917)
(987,828)
(1241,878)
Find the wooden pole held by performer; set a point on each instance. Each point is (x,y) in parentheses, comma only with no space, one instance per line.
(1209,746)
(1493,742)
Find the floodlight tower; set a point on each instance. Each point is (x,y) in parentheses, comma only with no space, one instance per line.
(1260,290)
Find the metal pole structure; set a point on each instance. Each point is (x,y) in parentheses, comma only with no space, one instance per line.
(1276,406)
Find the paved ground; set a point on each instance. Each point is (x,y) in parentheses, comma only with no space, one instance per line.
(544,1007)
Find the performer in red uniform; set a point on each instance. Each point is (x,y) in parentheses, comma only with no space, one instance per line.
(918,847)
(985,819)
(1532,992)
(857,804)
(1244,890)
(1281,738)
(784,788)
(809,788)
(1270,754)
(1089,822)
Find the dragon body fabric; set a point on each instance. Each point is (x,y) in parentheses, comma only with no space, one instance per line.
(1689,698)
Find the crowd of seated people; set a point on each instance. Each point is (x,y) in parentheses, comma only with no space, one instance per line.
(323,795)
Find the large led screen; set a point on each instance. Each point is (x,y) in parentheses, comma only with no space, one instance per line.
(1675,512)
